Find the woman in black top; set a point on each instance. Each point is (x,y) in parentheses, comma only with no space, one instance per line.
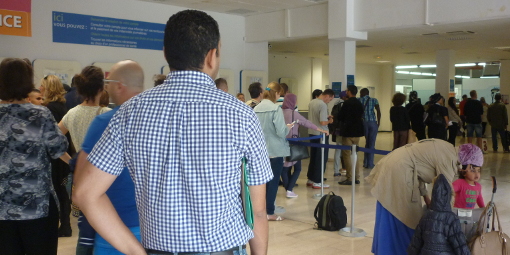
(437,119)
(53,92)
(399,121)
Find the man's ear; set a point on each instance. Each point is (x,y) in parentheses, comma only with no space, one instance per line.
(211,63)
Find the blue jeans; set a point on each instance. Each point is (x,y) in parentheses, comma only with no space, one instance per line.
(288,179)
(502,134)
(272,185)
(371,129)
(477,128)
(102,247)
(236,252)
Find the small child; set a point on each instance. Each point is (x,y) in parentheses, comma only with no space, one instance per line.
(468,192)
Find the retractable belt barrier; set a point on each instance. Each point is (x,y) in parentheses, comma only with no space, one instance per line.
(347,231)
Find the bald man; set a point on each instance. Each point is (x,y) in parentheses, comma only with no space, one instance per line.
(124,81)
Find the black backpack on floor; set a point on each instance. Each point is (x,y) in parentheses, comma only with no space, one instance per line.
(330,213)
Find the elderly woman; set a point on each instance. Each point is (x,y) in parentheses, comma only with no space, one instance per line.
(29,139)
(398,181)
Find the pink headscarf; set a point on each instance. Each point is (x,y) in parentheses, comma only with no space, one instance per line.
(470,154)
(289,101)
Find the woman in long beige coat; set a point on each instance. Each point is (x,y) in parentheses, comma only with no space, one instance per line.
(398,183)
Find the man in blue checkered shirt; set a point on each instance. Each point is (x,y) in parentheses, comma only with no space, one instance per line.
(370,123)
(182,142)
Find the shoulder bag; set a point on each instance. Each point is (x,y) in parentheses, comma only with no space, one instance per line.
(493,242)
(297,152)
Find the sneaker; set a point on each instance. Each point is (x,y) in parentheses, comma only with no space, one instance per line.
(336,174)
(291,194)
(484,152)
(279,210)
(343,171)
(309,183)
(318,186)
(348,182)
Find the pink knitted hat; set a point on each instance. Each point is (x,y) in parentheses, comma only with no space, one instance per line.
(470,154)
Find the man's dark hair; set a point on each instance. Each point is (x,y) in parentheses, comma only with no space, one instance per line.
(255,89)
(328,92)
(189,36)
(364,92)
(464,96)
(89,82)
(497,97)
(159,79)
(220,81)
(316,93)
(353,89)
(472,93)
(285,88)
(16,79)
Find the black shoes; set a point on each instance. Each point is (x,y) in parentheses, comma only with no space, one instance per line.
(65,232)
(348,182)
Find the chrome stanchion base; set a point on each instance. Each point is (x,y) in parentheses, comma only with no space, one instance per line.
(357,232)
(318,196)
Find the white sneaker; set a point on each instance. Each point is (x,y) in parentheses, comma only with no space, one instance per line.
(343,171)
(291,194)
(309,183)
(318,186)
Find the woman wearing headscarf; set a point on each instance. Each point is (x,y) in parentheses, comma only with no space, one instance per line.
(275,132)
(437,118)
(415,110)
(290,115)
(398,183)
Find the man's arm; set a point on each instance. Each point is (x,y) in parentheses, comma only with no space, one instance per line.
(378,114)
(89,194)
(258,244)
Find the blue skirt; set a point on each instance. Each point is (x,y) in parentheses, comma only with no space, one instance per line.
(391,236)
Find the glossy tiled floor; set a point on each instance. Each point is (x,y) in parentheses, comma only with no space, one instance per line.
(296,235)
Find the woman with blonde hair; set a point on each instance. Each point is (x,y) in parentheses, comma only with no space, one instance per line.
(275,131)
(53,92)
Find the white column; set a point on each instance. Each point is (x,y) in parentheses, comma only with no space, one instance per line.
(317,75)
(342,61)
(445,71)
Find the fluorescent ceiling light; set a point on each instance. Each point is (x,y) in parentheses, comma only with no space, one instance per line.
(489,77)
(466,64)
(403,72)
(427,74)
(383,61)
(405,67)
(428,66)
(415,73)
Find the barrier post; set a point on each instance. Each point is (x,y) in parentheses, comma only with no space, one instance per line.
(319,196)
(352,231)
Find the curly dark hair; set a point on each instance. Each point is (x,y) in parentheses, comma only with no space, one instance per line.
(398,99)
(89,82)
(16,79)
(189,36)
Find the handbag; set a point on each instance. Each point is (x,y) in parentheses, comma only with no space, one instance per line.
(494,242)
(297,152)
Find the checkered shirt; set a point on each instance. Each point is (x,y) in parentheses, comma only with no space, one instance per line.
(183,142)
(369,114)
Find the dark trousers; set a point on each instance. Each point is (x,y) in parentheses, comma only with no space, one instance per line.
(272,185)
(452,133)
(502,134)
(39,236)
(314,168)
(289,179)
(484,125)
(400,138)
(437,131)
(420,132)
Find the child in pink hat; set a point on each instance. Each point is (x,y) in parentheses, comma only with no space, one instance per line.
(468,192)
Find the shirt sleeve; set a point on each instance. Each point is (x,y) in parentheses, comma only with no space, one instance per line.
(376,102)
(279,123)
(324,112)
(304,122)
(479,200)
(259,168)
(108,153)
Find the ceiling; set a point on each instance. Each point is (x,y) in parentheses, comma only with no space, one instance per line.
(471,41)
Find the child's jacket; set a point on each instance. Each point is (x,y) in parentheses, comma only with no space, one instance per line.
(439,229)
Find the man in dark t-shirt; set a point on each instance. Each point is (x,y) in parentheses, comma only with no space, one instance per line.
(473,111)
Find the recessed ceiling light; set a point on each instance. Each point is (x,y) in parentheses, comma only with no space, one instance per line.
(383,61)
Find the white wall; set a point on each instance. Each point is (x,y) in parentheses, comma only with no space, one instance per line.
(235,53)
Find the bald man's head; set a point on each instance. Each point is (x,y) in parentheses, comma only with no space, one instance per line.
(129,75)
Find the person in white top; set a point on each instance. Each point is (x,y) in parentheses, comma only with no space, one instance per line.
(456,121)
(90,84)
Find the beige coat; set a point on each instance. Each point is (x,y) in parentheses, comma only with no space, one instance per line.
(398,180)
